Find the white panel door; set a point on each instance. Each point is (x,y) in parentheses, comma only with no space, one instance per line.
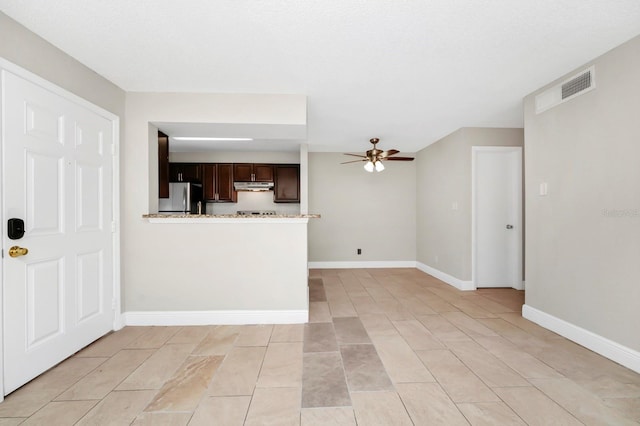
(498,216)
(57,170)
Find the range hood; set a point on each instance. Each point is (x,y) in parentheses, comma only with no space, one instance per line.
(253,186)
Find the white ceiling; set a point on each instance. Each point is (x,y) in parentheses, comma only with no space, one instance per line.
(406,71)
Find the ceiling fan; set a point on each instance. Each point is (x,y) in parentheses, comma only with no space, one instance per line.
(374,157)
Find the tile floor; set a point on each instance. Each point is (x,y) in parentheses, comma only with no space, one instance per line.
(383,347)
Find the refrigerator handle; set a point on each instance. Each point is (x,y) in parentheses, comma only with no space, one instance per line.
(184,199)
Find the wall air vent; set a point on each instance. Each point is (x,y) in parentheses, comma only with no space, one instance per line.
(576,85)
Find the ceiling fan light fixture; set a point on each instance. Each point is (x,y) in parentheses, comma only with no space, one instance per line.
(369,166)
(379,166)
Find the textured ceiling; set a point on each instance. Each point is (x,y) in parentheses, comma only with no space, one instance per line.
(406,71)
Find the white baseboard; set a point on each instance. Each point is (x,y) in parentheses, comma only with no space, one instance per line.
(215,317)
(363,264)
(601,345)
(456,282)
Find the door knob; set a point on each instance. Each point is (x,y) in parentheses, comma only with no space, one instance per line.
(509,226)
(16,251)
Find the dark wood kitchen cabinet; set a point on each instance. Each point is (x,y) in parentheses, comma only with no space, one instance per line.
(248,172)
(287,183)
(185,172)
(163,165)
(218,183)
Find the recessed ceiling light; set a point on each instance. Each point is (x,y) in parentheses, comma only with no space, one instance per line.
(189,138)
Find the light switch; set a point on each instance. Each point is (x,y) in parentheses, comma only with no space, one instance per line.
(454,206)
(544,190)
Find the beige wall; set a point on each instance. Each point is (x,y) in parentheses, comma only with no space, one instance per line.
(26,49)
(163,265)
(583,238)
(444,178)
(372,211)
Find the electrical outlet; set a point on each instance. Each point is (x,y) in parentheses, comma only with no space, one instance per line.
(359,251)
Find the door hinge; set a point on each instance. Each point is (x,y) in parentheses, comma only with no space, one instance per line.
(113,304)
(113,226)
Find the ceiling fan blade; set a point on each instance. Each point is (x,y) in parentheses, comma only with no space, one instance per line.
(354,161)
(399,159)
(355,155)
(390,153)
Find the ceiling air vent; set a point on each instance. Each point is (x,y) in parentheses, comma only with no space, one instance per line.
(577,85)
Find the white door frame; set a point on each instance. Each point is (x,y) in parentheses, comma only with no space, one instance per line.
(115,120)
(474,154)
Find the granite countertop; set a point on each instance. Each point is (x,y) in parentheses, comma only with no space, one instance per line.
(229,216)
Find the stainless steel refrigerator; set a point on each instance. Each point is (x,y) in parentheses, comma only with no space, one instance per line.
(184,198)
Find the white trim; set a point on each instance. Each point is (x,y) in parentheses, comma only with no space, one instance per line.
(215,317)
(609,349)
(519,222)
(363,264)
(443,276)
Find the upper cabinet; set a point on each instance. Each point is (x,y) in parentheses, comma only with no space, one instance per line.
(163,165)
(185,172)
(218,183)
(287,183)
(248,172)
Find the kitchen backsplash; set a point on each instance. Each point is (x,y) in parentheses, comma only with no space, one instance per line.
(253,201)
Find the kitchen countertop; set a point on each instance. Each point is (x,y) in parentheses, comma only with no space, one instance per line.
(228,218)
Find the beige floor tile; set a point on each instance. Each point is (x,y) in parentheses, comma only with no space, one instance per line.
(442,329)
(254,335)
(288,332)
(341,308)
(534,329)
(457,380)
(503,328)
(473,310)
(490,414)
(379,409)
(584,405)
(428,404)
(112,343)
(535,408)
(609,387)
(319,312)
(156,370)
(394,310)
(191,334)
(222,411)
(400,361)
(24,402)
(363,368)
(185,389)
(492,371)
(64,375)
(238,373)
(162,419)
(107,376)
(416,306)
(60,413)
(282,366)
(468,325)
(364,304)
(436,303)
(334,416)
(153,338)
(627,407)
(378,325)
(218,341)
(11,421)
(274,407)
(117,408)
(417,336)
(520,361)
